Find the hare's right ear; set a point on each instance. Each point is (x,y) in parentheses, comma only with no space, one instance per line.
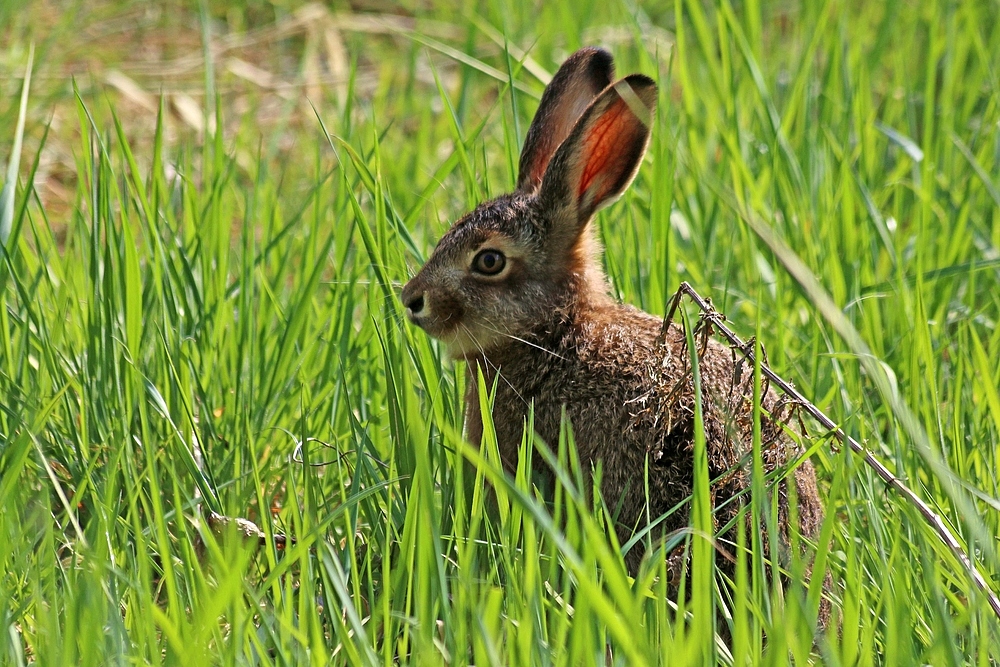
(598,160)
(580,79)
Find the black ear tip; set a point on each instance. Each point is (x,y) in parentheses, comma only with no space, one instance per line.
(597,63)
(599,55)
(640,81)
(643,86)
(586,52)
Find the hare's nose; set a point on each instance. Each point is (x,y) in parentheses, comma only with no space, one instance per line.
(414,303)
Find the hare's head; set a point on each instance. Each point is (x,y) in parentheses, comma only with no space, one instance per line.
(503,269)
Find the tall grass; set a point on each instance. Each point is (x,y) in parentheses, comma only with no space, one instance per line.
(214,325)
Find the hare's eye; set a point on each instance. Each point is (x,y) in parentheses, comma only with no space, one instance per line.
(489,262)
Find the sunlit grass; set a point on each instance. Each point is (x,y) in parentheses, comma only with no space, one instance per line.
(209,321)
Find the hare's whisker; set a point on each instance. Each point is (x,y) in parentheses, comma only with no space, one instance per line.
(490,364)
(526,342)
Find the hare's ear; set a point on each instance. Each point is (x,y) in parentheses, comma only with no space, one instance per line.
(599,159)
(580,79)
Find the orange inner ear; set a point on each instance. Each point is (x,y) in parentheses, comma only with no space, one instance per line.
(599,148)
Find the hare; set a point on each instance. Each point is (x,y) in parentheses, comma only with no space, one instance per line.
(516,290)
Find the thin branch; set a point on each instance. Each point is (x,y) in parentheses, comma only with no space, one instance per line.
(717,319)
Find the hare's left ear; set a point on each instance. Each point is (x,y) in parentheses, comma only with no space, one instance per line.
(601,156)
(580,79)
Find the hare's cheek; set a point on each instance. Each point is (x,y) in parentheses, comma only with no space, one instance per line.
(448,312)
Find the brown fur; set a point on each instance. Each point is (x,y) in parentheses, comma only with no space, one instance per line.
(545,329)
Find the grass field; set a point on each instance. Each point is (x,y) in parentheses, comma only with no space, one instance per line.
(216,206)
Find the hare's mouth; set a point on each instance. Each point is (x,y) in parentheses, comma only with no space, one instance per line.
(433,325)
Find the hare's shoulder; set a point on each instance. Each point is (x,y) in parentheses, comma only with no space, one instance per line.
(621,341)
(617,335)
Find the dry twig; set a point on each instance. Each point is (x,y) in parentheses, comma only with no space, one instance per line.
(717,320)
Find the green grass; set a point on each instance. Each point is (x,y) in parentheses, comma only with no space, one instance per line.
(209,321)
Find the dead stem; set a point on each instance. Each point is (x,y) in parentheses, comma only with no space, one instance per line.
(714,318)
